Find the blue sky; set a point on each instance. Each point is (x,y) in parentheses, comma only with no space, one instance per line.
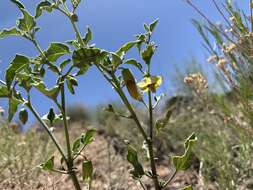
(113,23)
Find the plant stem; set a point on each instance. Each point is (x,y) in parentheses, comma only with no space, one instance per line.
(57,144)
(251,14)
(72,173)
(150,142)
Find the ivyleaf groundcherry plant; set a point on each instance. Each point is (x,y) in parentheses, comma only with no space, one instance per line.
(26,74)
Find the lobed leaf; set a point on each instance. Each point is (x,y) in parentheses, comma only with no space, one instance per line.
(10,32)
(183,162)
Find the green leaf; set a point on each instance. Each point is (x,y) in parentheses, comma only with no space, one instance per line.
(4,92)
(75,3)
(18,62)
(153,25)
(84,57)
(148,53)
(43,6)
(71,82)
(126,47)
(51,93)
(13,106)
(18,4)
(88,36)
(88,137)
(183,162)
(27,22)
(10,32)
(161,123)
(23,115)
(134,63)
(64,63)
(76,145)
(116,60)
(48,165)
(70,86)
(87,171)
(146,27)
(132,157)
(56,50)
(189,187)
(54,68)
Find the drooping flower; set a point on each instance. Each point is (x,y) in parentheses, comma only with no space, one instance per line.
(150,83)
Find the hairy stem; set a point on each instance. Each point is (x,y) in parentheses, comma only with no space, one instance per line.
(44,125)
(72,173)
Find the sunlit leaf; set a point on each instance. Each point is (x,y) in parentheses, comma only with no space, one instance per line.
(51,93)
(13,106)
(88,36)
(183,162)
(56,50)
(75,3)
(126,47)
(134,63)
(153,25)
(48,165)
(148,53)
(18,62)
(18,4)
(43,6)
(88,137)
(10,32)
(27,22)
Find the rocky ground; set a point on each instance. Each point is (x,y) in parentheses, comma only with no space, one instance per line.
(111,173)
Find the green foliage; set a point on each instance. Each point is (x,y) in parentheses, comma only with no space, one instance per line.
(55,51)
(43,6)
(87,171)
(132,157)
(49,164)
(183,162)
(25,75)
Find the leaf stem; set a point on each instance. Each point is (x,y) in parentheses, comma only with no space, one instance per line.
(44,125)
(170,179)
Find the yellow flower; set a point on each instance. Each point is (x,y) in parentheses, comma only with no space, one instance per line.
(150,83)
